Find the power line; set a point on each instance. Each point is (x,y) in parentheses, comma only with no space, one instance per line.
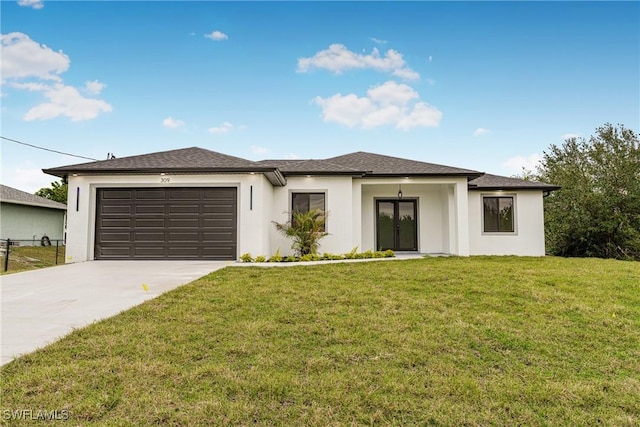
(47,149)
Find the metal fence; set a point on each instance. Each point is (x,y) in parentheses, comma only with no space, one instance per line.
(7,246)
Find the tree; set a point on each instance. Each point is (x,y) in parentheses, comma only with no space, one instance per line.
(597,211)
(306,229)
(57,192)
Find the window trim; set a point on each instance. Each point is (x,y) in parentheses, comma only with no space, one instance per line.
(514,213)
(324,192)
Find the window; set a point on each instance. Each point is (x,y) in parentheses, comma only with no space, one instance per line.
(305,202)
(498,214)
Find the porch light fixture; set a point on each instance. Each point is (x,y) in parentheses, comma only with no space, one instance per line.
(400,192)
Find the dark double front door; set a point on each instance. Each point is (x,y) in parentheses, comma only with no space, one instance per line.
(396,225)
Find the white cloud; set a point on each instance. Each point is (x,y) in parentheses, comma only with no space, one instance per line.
(337,58)
(570,136)
(36,4)
(255,149)
(26,177)
(223,128)
(390,103)
(291,156)
(65,101)
(23,57)
(171,123)
(430,58)
(379,41)
(481,131)
(94,87)
(217,36)
(519,162)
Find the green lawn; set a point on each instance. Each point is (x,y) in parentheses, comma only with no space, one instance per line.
(440,341)
(23,258)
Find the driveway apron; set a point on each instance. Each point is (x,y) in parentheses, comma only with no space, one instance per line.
(41,306)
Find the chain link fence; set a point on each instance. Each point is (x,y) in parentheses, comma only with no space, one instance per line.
(31,253)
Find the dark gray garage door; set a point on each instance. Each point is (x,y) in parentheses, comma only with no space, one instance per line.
(166,223)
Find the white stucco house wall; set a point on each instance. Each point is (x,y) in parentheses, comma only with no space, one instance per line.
(194,203)
(27,218)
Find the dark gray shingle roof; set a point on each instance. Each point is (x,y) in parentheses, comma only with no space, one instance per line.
(299,166)
(181,159)
(360,163)
(380,165)
(497,182)
(18,197)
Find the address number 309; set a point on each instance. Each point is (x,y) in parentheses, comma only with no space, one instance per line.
(165,179)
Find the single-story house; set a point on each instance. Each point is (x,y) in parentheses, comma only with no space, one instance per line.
(28,218)
(195,203)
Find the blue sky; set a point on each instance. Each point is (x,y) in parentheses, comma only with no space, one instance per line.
(480,85)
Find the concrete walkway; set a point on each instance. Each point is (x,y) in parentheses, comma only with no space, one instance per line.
(41,306)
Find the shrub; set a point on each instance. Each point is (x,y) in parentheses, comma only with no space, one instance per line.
(389,253)
(352,254)
(306,229)
(290,258)
(246,257)
(276,257)
(261,258)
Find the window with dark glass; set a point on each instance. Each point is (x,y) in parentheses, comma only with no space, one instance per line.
(305,202)
(498,214)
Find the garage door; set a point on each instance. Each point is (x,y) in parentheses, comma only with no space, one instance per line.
(166,223)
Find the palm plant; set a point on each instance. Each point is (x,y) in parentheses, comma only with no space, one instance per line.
(305,229)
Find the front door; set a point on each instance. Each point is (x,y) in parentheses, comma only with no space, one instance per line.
(396,225)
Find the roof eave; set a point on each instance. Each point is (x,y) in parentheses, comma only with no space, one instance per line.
(469,175)
(324,173)
(272,174)
(38,205)
(515,187)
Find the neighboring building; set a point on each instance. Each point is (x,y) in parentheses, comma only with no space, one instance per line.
(27,217)
(194,203)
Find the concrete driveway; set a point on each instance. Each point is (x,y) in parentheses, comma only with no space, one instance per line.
(40,306)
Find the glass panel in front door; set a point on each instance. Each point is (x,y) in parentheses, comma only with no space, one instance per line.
(407,226)
(386,228)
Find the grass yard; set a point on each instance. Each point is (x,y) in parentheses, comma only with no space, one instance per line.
(23,258)
(441,341)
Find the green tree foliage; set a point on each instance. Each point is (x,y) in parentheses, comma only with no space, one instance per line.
(57,192)
(597,211)
(305,229)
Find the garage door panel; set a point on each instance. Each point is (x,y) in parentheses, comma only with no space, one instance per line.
(185,194)
(218,222)
(149,252)
(192,251)
(116,222)
(184,209)
(166,223)
(149,222)
(151,194)
(146,236)
(226,208)
(175,236)
(107,236)
(149,209)
(116,252)
(217,252)
(116,210)
(117,194)
(183,223)
(218,236)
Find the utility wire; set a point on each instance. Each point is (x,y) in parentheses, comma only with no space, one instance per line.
(47,149)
